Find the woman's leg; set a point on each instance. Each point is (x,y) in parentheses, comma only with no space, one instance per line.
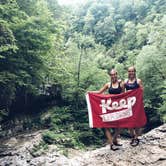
(108,135)
(132,132)
(116,134)
(137,132)
(110,140)
(134,135)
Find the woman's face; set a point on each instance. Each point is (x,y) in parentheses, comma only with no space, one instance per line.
(113,75)
(131,72)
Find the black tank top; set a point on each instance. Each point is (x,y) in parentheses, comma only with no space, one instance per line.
(131,86)
(117,90)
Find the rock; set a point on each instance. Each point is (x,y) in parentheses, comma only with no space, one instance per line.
(150,152)
(11,142)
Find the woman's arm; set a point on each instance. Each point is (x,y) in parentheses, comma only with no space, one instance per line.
(140,83)
(104,88)
(122,85)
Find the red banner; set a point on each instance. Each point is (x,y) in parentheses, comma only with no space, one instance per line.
(125,110)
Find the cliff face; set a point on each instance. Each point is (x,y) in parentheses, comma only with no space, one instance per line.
(151,152)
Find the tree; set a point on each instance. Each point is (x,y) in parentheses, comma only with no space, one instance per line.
(26,38)
(105,32)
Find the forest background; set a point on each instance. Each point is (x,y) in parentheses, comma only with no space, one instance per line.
(50,55)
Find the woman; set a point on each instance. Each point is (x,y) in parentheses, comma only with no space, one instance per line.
(113,87)
(130,84)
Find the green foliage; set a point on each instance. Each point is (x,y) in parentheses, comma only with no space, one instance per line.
(162,108)
(39,149)
(70,129)
(3,114)
(7,40)
(105,32)
(26,37)
(151,63)
(65,140)
(61,128)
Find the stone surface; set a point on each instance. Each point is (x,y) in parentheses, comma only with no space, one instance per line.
(17,151)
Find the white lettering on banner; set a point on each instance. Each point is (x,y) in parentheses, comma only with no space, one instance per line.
(106,104)
(117,115)
(125,113)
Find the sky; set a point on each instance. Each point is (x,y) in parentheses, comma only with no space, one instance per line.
(71,2)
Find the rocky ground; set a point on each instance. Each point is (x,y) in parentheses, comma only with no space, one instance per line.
(19,151)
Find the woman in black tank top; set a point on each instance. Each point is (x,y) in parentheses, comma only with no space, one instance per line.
(113,87)
(117,90)
(130,84)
